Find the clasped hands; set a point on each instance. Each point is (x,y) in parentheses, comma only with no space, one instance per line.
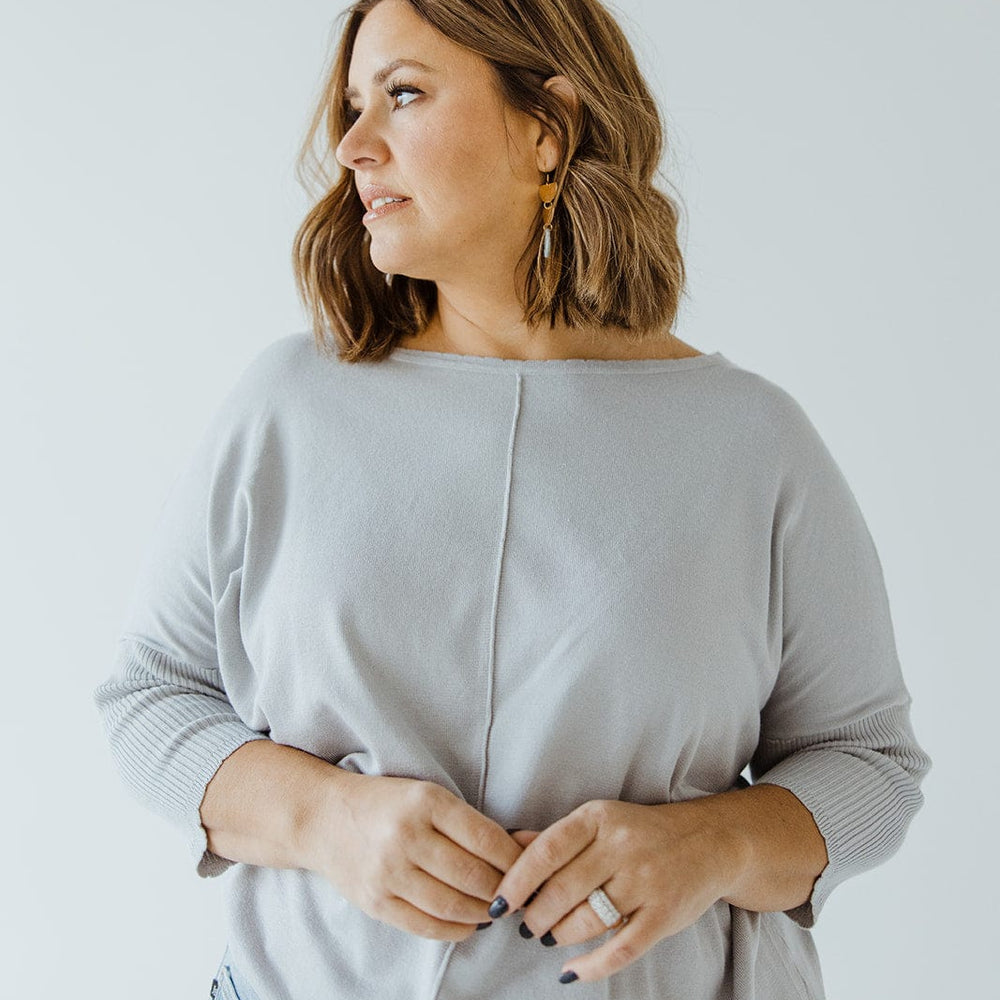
(414,855)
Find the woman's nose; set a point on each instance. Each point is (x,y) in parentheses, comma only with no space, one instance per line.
(360,144)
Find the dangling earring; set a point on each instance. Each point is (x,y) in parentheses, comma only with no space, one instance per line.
(547,194)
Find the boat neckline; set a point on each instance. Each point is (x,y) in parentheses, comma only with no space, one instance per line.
(417,355)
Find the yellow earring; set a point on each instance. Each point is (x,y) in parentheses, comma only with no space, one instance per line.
(547,193)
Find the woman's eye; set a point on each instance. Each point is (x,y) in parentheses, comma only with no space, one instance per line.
(351,115)
(401,89)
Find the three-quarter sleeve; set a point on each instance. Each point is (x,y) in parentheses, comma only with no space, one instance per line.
(835,729)
(165,708)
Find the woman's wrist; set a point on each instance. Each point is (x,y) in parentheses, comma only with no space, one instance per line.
(320,812)
(263,805)
(763,844)
(777,851)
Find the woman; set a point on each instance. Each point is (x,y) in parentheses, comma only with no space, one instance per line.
(459,633)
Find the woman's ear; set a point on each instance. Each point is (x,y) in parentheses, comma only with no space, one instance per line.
(548,149)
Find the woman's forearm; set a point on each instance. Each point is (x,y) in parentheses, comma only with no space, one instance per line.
(779,848)
(406,851)
(259,804)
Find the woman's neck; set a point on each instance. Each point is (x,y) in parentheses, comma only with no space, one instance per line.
(450,332)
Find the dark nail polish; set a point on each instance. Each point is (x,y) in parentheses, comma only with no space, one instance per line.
(525,931)
(498,907)
(547,939)
(483,926)
(568,977)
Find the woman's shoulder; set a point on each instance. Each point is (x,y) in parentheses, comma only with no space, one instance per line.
(282,371)
(263,384)
(773,413)
(284,358)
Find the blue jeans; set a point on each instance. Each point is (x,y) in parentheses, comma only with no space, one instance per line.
(228,985)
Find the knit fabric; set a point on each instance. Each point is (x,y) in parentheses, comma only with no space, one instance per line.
(536,583)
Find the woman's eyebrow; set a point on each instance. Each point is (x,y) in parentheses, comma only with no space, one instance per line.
(381,76)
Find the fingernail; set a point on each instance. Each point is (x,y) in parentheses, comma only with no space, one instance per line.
(483,926)
(525,931)
(498,907)
(547,939)
(568,977)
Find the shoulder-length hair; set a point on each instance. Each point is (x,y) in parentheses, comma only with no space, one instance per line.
(615,257)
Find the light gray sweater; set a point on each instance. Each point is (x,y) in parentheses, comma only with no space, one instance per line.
(536,583)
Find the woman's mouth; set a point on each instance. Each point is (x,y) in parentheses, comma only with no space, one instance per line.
(384,206)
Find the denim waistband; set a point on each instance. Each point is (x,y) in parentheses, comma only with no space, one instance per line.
(228,983)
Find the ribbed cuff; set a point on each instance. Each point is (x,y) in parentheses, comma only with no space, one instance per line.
(170,729)
(861,799)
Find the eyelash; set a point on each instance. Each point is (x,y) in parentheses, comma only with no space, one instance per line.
(393,88)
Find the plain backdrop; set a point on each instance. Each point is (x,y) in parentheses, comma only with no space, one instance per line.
(838,166)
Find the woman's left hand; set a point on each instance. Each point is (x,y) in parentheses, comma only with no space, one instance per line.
(662,866)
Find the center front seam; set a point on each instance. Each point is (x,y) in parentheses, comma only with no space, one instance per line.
(502,542)
(491,651)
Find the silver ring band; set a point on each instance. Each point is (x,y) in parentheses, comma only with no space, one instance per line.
(604,908)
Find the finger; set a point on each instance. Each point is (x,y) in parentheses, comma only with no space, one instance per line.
(582,923)
(444,860)
(543,857)
(525,837)
(563,893)
(438,900)
(627,944)
(404,915)
(478,834)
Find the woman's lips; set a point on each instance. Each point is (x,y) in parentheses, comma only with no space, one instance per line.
(377,213)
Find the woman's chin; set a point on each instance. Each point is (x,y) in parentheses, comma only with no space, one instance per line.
(387,263)
(399,265)
(393,255)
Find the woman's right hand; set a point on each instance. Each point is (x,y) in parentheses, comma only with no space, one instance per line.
(409,853)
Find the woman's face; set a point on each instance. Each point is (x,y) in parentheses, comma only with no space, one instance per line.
(439,136)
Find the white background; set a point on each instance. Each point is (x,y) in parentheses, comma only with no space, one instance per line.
(839,166)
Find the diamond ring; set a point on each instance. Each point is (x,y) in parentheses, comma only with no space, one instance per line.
(605,909)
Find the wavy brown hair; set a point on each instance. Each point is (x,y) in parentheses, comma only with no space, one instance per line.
(615,260)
